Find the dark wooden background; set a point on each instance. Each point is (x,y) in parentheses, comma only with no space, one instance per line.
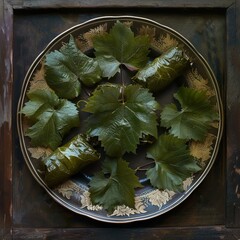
(213,209)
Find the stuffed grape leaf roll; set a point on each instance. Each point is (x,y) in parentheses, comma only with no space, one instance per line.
(163,70)
(68,160)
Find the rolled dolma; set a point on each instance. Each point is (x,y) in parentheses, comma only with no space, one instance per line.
(163,70)
(68,160)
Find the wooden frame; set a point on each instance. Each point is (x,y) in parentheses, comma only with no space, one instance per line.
(229,230)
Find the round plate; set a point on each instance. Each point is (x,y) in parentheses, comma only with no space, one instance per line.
(149,202)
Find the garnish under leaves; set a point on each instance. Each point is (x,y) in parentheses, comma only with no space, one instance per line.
(173,163)
(66,67)
(68,160)
(114,185)
(163,70)
(120,46)
(52,118)
(121,115)
(194,117)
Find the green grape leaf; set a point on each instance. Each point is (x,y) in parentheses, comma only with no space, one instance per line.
(173,163)
(40,102)
(120,46)
(64,69)
(194,117)
(121,115)
(109,65)
(52,118)
(114,185)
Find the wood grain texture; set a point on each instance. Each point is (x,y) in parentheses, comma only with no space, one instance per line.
(196,233)
(6,79)
(233,116)
(206,205)
(126,3)
(40,4)
(202,208)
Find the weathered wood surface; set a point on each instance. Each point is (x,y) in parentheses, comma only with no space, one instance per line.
(233,116)
(6,82)
(39,4)
(204,207)
(195,233)
(27,211)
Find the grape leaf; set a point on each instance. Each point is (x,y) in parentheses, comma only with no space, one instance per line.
(193,119)
(120,46)
(120,116)
(114,185)
(40,101)
(52,118)
(173,163)
(64,69)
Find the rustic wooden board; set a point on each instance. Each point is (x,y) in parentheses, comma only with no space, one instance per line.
(27,212)
(40,4)
(232,116)
(6,81)
(57,22)
(195,233)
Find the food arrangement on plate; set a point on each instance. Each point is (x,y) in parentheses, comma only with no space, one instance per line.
(120,119)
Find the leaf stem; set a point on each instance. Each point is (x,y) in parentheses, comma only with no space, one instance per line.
(122,88)
(121,75)
(141,168)
(86,91)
